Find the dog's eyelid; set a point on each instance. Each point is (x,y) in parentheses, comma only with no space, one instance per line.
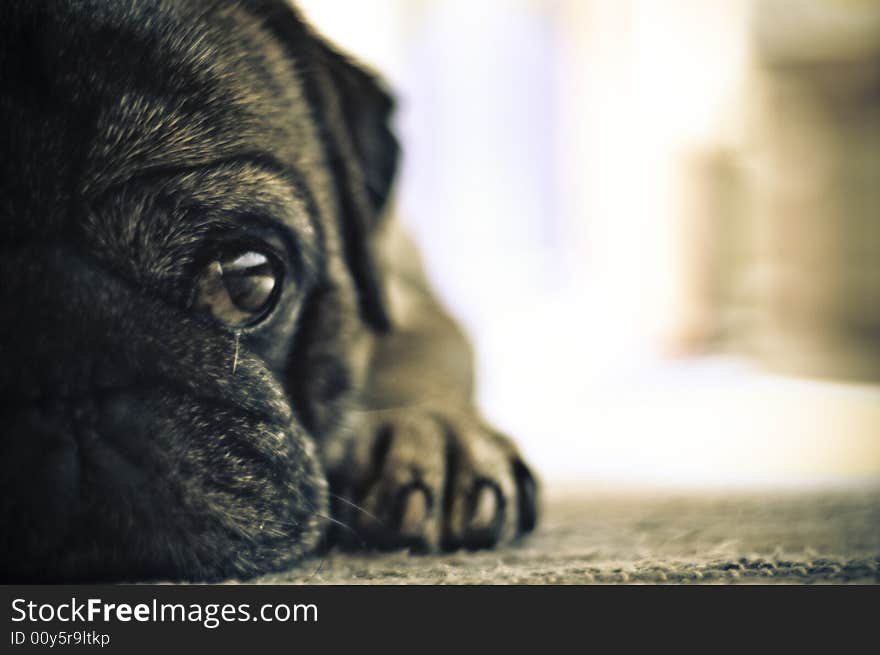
(261,235)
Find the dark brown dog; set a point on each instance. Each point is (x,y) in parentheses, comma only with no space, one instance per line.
(206,315)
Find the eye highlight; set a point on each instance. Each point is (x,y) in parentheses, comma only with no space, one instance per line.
(239,287)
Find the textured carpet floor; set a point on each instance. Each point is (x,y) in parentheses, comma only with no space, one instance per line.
(613,537)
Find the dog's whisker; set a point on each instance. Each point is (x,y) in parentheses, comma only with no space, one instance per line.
(320,566)
(235,355)
(357,507)
(334,521)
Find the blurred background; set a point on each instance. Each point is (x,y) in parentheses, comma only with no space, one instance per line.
(658,220)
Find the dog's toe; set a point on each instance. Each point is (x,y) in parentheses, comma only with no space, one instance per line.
(395,490)
(482,492)
(482,520)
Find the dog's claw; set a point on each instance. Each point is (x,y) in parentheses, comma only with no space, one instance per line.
(527,497)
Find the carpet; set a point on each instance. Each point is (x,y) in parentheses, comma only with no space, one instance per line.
(604,536)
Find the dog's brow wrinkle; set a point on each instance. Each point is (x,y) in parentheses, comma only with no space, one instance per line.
(258,159)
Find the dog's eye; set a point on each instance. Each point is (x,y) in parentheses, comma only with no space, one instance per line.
(238,288)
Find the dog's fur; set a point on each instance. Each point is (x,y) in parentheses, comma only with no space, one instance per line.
(139,438)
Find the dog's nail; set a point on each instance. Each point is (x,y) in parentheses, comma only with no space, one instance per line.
(415,508)
(527,496)
(485,509)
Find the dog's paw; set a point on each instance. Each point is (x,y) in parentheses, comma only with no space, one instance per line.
(429,480)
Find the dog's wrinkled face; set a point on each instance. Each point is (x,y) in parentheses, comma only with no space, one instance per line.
(185,293)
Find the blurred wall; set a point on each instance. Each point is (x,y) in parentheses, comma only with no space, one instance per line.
(811,161)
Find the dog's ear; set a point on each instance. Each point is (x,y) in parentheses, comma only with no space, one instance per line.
(353,111)
(363,154)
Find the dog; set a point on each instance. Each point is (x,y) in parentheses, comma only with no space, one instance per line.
(219,350)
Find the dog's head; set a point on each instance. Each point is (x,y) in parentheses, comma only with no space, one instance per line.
(187,195)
